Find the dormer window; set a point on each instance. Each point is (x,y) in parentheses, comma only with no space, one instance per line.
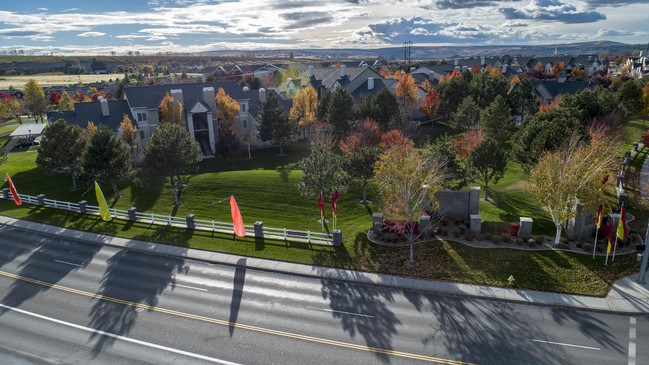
(141,117)
(242,107)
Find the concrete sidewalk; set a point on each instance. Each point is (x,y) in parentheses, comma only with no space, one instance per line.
(627,296)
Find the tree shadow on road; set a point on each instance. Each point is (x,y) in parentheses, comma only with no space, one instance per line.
(62,258)
(374,322)
(132,277)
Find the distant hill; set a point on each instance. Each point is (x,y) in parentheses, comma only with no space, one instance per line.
(438,52)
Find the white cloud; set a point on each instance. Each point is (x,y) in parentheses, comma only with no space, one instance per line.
(91,34)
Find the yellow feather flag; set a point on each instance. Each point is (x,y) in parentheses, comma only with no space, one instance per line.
(103,206)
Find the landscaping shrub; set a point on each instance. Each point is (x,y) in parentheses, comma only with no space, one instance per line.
(539,240)
(443,230)
(601,247)
(469,237)
(579,244)
(455,232)
(520,241)
(531,242)
(496,239)
(563,246)
(587,246)
(462,228)
(507,238)
(487,236)
(481,237)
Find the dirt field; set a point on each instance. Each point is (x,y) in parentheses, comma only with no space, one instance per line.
(18,82)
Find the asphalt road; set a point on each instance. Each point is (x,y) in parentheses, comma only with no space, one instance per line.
(70,302)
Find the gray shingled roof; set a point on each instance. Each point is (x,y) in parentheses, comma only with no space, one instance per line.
(151,96)
(91,112)
(550,89)
(379,84)
(255,104)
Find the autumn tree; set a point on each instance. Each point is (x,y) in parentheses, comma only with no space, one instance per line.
(645,104)
(171,111)
(488,162)
(557,68)
(90,129)
(571,174)
(425,85)
(431,102)
(539,66)
(55,98)
(408,96)
(172,152)
(290,73)
(407,179)
(35,102)
(496,121)
(361,152)
(12,108)
(130,135)
(394,138)
(228,108)
(274,123)
(466,115)
(97,95)
(66,102)
(106,159)
(61,148)
(305,107)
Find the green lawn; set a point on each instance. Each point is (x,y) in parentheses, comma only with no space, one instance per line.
(264,187)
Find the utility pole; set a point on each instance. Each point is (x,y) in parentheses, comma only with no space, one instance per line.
(407,45)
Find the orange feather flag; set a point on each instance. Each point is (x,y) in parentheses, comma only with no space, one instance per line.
(237,221)
(14,193)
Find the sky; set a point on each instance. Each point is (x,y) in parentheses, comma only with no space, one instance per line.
(102,27)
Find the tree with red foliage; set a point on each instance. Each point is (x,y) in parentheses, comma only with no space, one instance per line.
(394,138)
(79,97)
(475,69)
(431,103)
(54,98)
(95,96)
(5,96)
(645,139)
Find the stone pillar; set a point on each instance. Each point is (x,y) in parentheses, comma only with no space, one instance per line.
(132,213)
(5,193)
(476,223)
(41,199)
(424,225)
(525,226)
(377,222)
(259,229)
(635,146)
(576,225)
(338,237)
(190,221)
(474,200)
(212,134)
(83,206)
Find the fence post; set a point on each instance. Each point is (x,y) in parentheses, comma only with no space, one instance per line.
(41,199)
(338,237)
(82,206)
(377,222)
(190,221)
(5,193)
(132,213)
(259,229)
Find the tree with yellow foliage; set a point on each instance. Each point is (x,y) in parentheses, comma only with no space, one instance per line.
(539,66)
(512,84)
(171,110)
(426,85)
(228,108)
(290,73)
(407,94)
(645,104)
(557,68)
(130,135)
(66,102)
(305,106)
(90,129)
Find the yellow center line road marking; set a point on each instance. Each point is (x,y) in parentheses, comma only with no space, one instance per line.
(238,325)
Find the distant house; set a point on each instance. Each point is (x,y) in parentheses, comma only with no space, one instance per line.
(547,91)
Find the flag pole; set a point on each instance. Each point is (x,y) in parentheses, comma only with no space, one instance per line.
(595,244)
(614,247)
(606,262)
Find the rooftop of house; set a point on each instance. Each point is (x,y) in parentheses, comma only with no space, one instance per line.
(255,102)
(91,112)
(550,89)
(363,89)
(151,96)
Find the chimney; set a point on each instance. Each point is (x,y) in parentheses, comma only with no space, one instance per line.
(262,94)
(457,62)
(561,79)
(391,77)
(104,106)
(370,83)
(177,95)
(311,73)
(590,58)
(431,75)
(412,69)
(343,71)
(246,89)
(483,61)
(403,72)
(209,97)
(504,68)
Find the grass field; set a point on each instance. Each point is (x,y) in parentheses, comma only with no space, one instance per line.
(264,187)
(18,82)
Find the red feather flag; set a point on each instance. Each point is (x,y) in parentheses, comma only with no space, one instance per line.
(14,193)
(321,207)
(334,198)
(237,221)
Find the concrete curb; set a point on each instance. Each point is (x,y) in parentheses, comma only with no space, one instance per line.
(626,297)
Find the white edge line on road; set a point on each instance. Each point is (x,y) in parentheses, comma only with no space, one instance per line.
(632,341)
(343,312)
(119,337)
(67,263)
(567,344)
(189,287)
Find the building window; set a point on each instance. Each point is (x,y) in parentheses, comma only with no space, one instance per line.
(141,117)
(142,135)
(245,124)
(243,108)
